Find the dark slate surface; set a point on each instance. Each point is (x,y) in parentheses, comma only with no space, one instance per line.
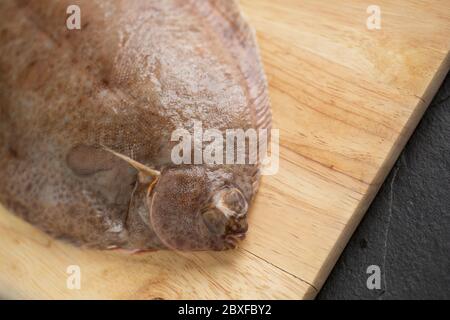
(406,231)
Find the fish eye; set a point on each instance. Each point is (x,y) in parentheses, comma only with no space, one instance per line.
(215,220)
(233,199)
(226,211)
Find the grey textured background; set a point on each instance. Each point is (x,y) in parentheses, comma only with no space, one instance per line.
(406,231)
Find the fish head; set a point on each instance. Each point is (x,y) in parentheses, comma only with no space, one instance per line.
(193,210)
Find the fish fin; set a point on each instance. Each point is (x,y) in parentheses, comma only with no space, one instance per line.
(223,15)
(144,171)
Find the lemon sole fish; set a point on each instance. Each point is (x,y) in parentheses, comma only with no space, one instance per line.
(86,118)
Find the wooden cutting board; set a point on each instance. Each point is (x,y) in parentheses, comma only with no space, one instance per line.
(345,98)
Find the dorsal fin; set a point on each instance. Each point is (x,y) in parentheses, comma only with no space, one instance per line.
(223,15)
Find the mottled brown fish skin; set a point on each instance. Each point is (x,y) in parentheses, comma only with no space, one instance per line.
(136,71)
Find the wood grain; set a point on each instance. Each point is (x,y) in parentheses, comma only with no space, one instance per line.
(346,99)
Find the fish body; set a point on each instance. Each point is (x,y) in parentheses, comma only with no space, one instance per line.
(84,112)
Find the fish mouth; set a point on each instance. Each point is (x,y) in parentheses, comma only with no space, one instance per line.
(232,241)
